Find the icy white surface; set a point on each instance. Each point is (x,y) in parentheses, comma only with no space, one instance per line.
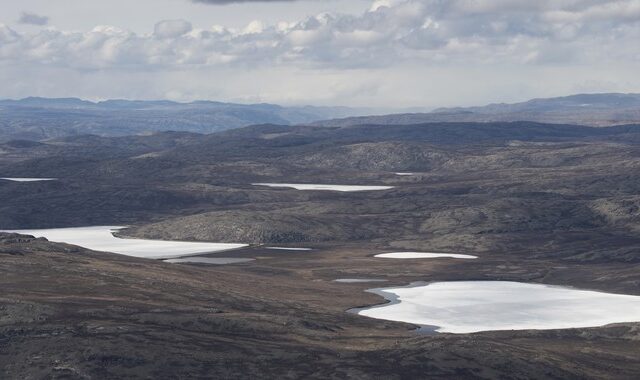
(288,249)
(357,280)
(29,179)
(209,260)
(343,188)
(423,255)
(472,306)
(405,174)
(101,239)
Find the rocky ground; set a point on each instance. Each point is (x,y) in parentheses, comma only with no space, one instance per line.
(71,313)
(538,203)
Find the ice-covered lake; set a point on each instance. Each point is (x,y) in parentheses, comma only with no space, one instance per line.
(473,306)
(28,179)
(288,249)
(101,238)
(423,255)
(343,188)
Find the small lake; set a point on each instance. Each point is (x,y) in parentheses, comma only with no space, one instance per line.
(423,255)
(288,249)
(209,260)
(474,306)
(342,188)
(101,238)
(28,179)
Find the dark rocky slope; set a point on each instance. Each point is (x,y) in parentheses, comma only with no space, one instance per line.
(69,313)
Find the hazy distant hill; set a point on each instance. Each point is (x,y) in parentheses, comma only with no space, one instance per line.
(585,109)
(41,118)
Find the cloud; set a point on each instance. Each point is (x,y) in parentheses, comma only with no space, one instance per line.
(224,2)
(33,19)
(172,28)
(390,33)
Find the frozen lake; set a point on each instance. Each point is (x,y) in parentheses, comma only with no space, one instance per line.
(423,255)
(209,260)
(343,188)
(29,179)
(473,306)
(405,174)
(101,239)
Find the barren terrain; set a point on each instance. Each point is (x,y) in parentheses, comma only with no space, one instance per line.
(548,204)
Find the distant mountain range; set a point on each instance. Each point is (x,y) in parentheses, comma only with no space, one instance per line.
(597,110)
(43,118)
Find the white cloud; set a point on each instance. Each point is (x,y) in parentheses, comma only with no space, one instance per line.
(377,4)
(429,31)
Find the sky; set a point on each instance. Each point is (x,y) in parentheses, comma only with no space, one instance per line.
(370,53)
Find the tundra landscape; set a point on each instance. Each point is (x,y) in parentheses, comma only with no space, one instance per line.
(319,189)
(520,202)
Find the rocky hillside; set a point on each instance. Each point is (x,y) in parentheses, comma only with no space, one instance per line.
(474,186)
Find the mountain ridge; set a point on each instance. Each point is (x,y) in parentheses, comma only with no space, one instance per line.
(36,118)
(597,110)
